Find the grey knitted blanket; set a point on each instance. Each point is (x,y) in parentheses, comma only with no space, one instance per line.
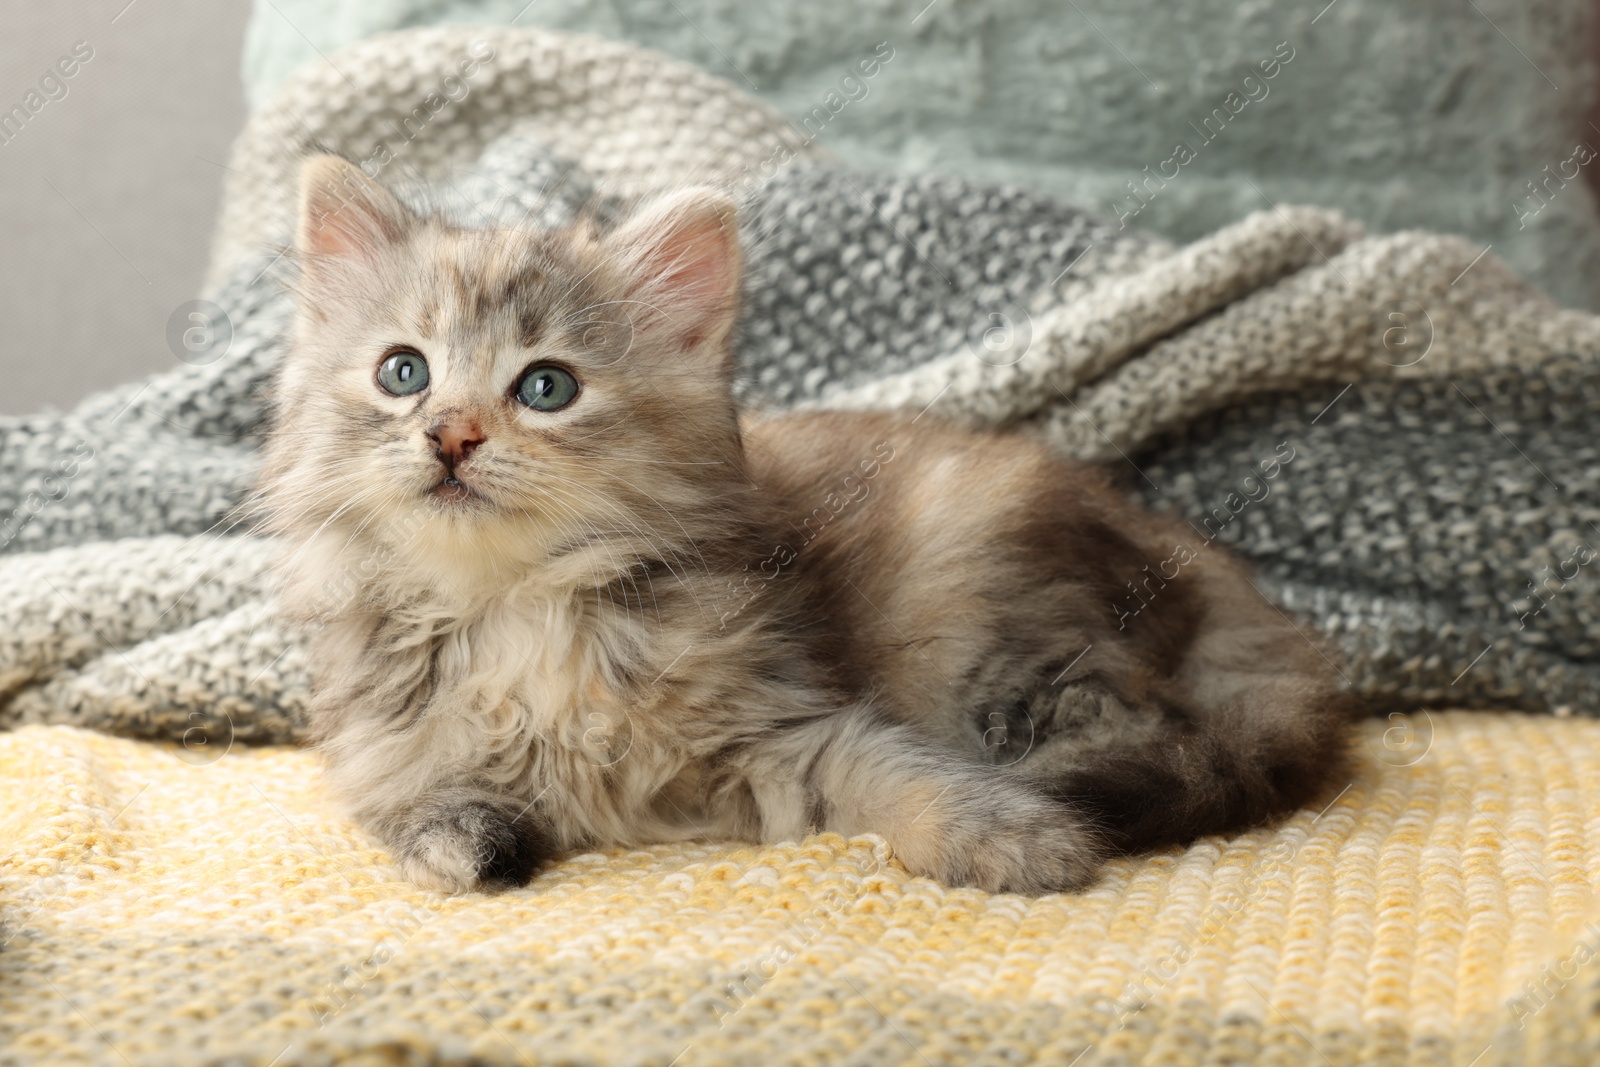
(1394,429)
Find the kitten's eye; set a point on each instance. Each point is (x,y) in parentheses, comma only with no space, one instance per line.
(403,373)
(547,388)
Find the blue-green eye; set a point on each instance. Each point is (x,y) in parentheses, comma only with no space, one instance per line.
(403,373)
(547,388)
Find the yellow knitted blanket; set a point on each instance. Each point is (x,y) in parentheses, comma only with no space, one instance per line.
(168,906)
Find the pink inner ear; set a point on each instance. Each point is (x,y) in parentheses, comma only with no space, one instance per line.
(346,226)
(330,233)
(694,264)
(342,213)
(690,273)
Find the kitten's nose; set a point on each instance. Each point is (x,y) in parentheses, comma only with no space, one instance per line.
(454,440)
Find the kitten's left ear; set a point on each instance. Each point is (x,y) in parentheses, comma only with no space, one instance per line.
(681,259)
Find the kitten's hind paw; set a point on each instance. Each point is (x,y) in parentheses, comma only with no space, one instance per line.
(467,839)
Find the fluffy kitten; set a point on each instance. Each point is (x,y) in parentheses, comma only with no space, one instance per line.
(568,599)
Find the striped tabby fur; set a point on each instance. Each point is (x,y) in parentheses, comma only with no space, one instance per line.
(642,617)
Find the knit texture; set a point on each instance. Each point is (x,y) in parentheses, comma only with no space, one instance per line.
(164,906)
(1434,519)
(195,900)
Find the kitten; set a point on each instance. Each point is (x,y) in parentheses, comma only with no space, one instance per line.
(568,598)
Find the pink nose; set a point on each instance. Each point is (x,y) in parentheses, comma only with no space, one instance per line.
(454,440)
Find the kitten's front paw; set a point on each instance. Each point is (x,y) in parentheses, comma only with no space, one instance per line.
(471,840)
(1003,841)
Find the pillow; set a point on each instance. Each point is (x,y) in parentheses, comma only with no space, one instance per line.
(1463,118)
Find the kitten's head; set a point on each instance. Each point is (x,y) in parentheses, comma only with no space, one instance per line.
(479,401)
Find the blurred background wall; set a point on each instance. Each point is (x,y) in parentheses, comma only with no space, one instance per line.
(110,188)
(1428,113)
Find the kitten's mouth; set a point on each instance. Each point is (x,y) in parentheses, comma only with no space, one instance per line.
(456,491)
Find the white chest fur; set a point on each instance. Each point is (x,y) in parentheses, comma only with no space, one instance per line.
(537,677)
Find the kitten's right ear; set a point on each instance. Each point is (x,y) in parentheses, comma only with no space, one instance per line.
(344,213)
(680,255)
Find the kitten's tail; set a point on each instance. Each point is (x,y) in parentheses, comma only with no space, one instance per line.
(1252,724)
(1224,772)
